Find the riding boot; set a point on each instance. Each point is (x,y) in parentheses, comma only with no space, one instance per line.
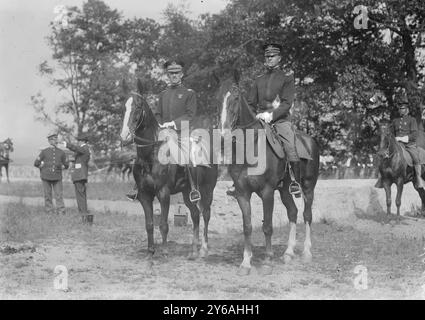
(420,184)
(295,186)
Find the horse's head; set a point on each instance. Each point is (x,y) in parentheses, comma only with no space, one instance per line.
(385,132)
(8,144)
(138,115)
(229,99)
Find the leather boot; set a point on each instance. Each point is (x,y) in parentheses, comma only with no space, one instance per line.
(419,182)
(379,183)
(295,186)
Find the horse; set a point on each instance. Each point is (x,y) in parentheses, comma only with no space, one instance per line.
(5,148)
(153,177)
(123,162)
(236,114)
(393,168)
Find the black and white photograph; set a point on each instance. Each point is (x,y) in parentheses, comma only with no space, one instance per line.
(212,150)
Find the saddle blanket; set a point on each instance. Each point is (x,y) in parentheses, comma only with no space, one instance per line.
(274,141)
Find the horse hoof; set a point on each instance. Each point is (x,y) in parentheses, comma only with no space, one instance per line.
(203,253)
(287,258)
(307,257)
(244,271)
(266,270)
(192,256)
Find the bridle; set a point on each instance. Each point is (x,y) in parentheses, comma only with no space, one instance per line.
(386,151)
(144,143)
(236,90)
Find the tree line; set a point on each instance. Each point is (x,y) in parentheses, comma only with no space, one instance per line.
(348,77)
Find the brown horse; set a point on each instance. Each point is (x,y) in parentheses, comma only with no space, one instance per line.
(5,148)
(153,177)
(236,114)
(394,169)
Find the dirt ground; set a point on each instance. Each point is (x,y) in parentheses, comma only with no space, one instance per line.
(108,260)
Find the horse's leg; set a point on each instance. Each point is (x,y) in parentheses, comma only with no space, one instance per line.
(267,195)
(205,207)
(308,187)
(194,214)
(387,188)
(7,172)
(244,201)
(400,185)
(146,200)
(164,200)
(292,212)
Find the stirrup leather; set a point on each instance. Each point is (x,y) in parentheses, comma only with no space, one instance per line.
(294,186)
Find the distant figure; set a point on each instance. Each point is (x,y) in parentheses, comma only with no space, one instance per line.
(51,161)
(5,148)
(80,174)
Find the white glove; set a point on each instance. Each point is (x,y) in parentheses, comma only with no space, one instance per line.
(266,116)
(404,139)
(170,124)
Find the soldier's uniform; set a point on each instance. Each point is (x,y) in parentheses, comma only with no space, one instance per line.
(407,126)
(175,104)
(51,161)
(80,174)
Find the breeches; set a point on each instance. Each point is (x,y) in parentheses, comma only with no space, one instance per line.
(48,185)
(81,196)
(286,133)
(414,153)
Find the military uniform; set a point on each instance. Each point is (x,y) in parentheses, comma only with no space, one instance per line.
(51,161)
(407,126)
(80,173)
(176,103)
(276,83)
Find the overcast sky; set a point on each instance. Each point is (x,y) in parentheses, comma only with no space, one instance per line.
(24,24)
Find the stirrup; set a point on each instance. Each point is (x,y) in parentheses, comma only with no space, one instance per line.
(295,189)
(194,195)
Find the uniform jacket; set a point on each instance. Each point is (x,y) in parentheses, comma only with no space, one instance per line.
(266,87)
(50,162)
(176,104)
(82,157)
(406,126)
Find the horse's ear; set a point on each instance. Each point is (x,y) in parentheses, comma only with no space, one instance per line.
(125,87)
(140,87)
(236,75)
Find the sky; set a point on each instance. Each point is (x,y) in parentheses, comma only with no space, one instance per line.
(24,25)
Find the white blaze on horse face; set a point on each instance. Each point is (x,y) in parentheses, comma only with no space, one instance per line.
(224,112)
(125,132)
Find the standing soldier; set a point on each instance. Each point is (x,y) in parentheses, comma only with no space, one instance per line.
(176,104)
(51,161)
(80,174)
(271,97)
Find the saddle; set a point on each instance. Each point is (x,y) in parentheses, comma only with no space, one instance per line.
(408,157)
(276,143)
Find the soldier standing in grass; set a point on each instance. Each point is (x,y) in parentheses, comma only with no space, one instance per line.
(51,161)
(80,174)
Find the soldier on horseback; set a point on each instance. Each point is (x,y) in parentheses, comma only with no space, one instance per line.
(405,130)
(271,97)
(176,104)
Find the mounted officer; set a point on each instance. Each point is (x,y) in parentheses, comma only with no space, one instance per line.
(271,97)
(405,129)
(175,104)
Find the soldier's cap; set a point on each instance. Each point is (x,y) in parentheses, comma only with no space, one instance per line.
(174,66)
(403,101)
(272,48)
(83,136)
(52,134)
